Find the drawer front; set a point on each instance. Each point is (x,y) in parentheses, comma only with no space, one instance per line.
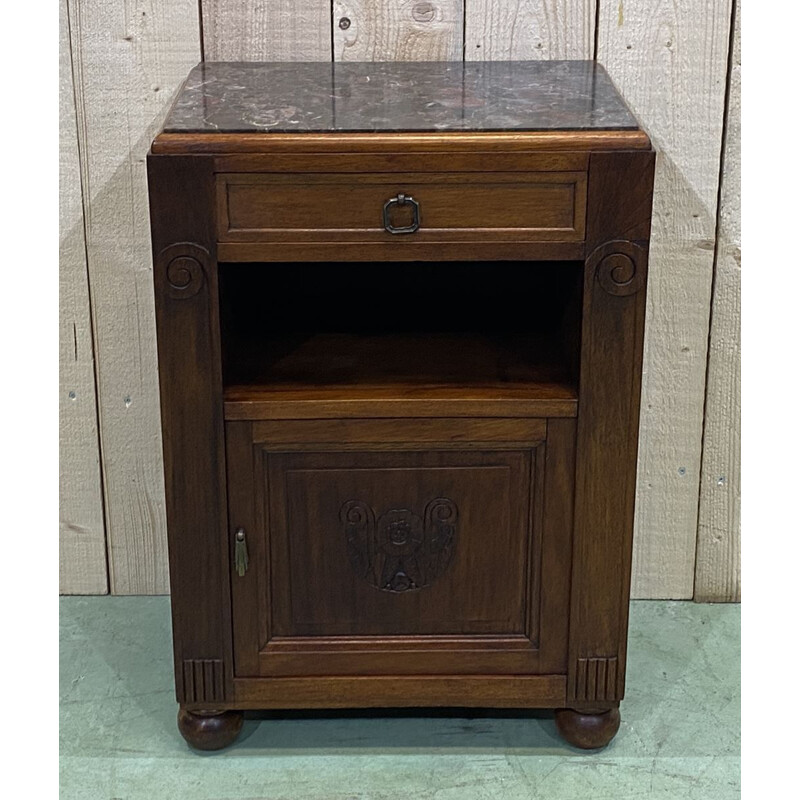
(446,207)
(390,556)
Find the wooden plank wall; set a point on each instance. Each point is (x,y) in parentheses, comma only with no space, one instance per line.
(671,62)
(266,30)
(128,59)
(82,540)
(717,566)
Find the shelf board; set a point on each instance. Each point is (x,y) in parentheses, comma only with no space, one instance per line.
(346,375)
(245,402)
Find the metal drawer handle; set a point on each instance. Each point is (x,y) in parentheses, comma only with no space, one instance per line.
(401,200)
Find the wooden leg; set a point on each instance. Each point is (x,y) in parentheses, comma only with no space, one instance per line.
(587,729)
(210,730)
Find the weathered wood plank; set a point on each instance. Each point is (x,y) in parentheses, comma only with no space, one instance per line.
(82,541)
(398,30)
(266,30)
(670,62)
(128,60)
(497,30)
(718,568)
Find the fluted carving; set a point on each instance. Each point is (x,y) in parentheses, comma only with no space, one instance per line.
(594,680)
(203,680)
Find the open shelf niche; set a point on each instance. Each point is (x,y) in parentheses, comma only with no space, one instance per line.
(427,339)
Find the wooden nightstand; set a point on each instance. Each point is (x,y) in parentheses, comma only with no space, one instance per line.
(400,311)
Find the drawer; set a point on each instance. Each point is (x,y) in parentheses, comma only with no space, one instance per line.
(425,207)
(400,546)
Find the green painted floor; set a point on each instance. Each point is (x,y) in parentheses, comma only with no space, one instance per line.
(679,738)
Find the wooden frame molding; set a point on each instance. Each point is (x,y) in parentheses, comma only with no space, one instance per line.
(312,143)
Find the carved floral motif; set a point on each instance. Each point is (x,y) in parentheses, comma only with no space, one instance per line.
(400,551)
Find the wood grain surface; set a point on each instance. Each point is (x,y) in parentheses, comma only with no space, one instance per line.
(127,61)
(670,63)
(187,311)
(452,206)
(82,552)
(507,30)
(718,565)
(495,691)
(266,30)
(472,143)
(612,332)
(397,30)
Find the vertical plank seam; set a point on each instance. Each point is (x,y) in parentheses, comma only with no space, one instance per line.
(333,34)
(83,158)
(77,91)
(596,30)
(714,270)
(464,30)
(200,27)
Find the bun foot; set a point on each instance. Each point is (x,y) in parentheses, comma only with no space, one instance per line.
(210,730)
(588,730)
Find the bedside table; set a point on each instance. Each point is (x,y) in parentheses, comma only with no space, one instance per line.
(400,311)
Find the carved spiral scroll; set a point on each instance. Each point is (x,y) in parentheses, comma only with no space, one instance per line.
(399,550)
(620,267)
(184,269)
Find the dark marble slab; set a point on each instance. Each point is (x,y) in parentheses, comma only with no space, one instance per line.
(398,96)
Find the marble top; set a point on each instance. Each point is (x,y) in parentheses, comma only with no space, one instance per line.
(398,96)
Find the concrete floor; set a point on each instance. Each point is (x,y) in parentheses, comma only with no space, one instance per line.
(679,738)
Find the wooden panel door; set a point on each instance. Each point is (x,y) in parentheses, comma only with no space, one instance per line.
(401,557)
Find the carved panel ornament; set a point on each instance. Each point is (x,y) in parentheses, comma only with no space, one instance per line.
(399,550)
(620,266)
(183,264)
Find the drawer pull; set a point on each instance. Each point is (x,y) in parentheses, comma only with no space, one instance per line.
(401,200)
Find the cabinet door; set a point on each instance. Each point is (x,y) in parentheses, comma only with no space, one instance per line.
(401,546)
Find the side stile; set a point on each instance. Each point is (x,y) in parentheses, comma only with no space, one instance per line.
(187,320)
(615,276)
